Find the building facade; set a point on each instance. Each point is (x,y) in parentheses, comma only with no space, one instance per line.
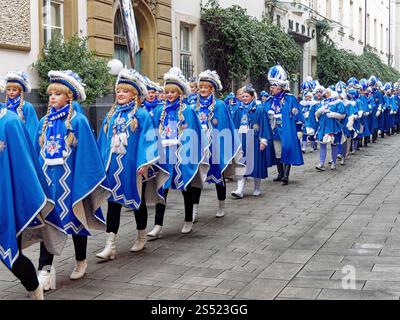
(27,25)
(170,31)
(397,28)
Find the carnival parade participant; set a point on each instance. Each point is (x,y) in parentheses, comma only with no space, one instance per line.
(128,146)
(194,92)
(231,103)
(365,121)
(74,171)
(179,131)
(308,110)
(225,145)
(378,100)
(256,134)
(25,199)
(151,102)
(17,84)
(329,129)
(283,110)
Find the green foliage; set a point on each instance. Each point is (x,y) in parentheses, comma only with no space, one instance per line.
(238,46)
(335,64)
(74,55)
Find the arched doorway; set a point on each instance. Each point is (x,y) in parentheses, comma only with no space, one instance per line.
(146,59)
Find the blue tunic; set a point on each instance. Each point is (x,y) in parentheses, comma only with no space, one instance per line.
(30,118)
(75,184)
(286,130)
(330,126)
(365,119)
(24,195)
(308,109)
(223,139)
(184,154)
(351,109)
(125,152)
(373,119)
(254,128)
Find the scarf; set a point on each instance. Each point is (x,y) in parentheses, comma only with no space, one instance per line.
(151,105)
(13,104)
(248,108)
(171,120)
(276,102)
(206,102)
(55,147)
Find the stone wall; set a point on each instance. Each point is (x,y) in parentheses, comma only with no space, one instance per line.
(15,26)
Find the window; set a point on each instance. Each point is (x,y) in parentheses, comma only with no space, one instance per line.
(186,51)
(121,44)
(53,18)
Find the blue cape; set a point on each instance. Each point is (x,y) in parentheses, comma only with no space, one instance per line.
(291,148)
(222,152)
(30,117)
(188,163)
(122,166)
(257,162)
(365,120)
(24,201)
(75,186)
(330,125)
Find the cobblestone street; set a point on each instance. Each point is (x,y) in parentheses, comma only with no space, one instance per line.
(291,243)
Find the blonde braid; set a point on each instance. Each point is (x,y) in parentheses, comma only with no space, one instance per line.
(134,122)
(212,107)
(180,116)
(20,107)
(163,114)
(198,103)
(42,137)
(110,114)
(71,139)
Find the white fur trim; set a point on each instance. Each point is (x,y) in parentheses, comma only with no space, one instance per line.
(136,77)
(212,76)
(16,76)
(175,75)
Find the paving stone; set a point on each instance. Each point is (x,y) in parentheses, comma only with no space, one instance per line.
(300,293)
(203,281)
(262,289)
(281,271)
(172,294)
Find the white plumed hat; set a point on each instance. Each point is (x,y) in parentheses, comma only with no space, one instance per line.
(71,80)
(135,79)
(176,77)
(21,78)
(212,77)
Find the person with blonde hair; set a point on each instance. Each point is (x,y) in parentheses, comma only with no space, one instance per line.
(225,154)
(128,145)
(24,202)
(73,168)
(184,147)
(17,84)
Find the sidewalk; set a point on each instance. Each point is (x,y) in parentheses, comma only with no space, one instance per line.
(291,243)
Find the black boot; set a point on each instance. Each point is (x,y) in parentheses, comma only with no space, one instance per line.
(286,172)
(279,165)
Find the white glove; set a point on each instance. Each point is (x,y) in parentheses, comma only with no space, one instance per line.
(378,114)
(360,113)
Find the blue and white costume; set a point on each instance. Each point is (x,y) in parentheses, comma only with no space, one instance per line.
(19,105)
